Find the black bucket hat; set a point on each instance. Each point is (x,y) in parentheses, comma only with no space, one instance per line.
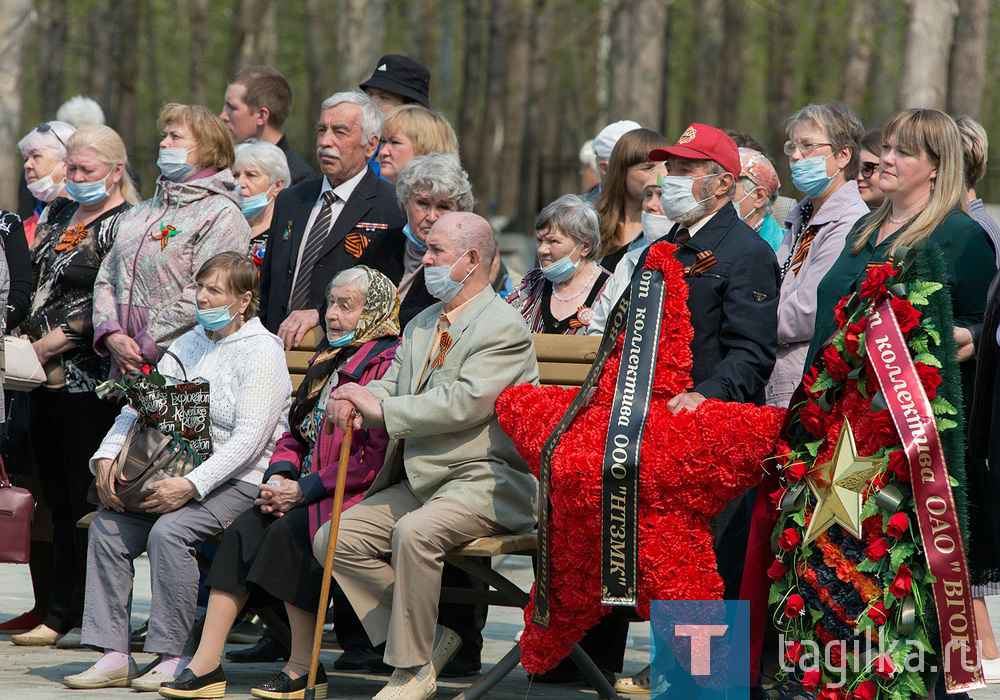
(401,75)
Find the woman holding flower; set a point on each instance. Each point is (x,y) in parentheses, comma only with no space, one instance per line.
(66,254)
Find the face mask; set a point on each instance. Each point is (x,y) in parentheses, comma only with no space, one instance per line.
(408,232)
(676,198)
(562,269)
(737,205)
(254,206)
(213,319)
(173,163)
(44,189)
(655,226)
(809,175)
(439,282)
(341,342)
(87,192)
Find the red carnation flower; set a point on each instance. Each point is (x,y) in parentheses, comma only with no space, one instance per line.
(898,524)
(794,605)
(899,465)
(902,583)
(835,364)
(877,549)
(907,316)
(789,538)
(810,680)
(884,667)
(795,471)
(874,285)
(866,690)
(877,613)
(777,570)
(930,377)
(793,653)
(659,256)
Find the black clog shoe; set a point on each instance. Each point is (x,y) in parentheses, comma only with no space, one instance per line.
(281,687)
(188,685)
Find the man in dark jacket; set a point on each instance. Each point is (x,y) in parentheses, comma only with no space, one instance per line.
(257,103)
(323,226)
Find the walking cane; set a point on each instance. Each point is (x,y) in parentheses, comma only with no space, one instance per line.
(331,547)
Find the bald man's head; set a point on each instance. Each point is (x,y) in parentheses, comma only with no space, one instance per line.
(465,242)
(469,231)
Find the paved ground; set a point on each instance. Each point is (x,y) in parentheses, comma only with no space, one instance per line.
(33,673)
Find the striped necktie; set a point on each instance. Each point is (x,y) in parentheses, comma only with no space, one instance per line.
(317,237)
(682,236)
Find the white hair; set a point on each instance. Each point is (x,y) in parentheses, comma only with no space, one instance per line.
(80,111)
(575,217)
(359,277)
(588,158)
(267,157)
(371,116)
(435,175)
(54,140)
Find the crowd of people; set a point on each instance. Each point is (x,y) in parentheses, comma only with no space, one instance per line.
(243,250)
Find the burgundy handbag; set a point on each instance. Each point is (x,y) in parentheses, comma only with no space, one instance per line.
(16,508)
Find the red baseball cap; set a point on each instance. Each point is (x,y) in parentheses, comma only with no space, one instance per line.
(703,142)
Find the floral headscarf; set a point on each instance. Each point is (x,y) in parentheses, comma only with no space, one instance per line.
(379,319)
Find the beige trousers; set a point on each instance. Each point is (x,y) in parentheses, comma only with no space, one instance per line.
(390,549)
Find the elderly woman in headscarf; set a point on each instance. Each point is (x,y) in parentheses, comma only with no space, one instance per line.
(266,554)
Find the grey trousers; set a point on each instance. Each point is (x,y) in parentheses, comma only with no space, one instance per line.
(398,603)
(116,539)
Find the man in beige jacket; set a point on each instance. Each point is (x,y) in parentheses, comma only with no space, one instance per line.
(450,474)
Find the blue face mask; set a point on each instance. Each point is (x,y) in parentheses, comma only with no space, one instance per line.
(341,342)
(809,175)
(213,319)
(562,269)
(408,232)
(87,192)
(173,163)
(254,206)
(439,282)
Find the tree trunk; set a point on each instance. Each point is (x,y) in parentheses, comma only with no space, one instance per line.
(782,82)
(360,33)
(197,66)
(469,124)
(860,29)
(620,61)
(322,75)
(968,58)
(127,72)
(532,147)
(495,90)
(517,28)
(15,27)
(647,61)
(708,63)
(734,28)
(929,34)
(52,35)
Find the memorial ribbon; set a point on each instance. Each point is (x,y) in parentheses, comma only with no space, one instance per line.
(937,516)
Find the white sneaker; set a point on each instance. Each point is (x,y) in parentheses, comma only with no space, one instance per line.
(403,685)
(446,645)
(93,678)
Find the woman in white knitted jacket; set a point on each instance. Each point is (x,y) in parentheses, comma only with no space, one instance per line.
(250,392)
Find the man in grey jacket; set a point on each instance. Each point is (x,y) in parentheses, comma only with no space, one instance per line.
(450,474)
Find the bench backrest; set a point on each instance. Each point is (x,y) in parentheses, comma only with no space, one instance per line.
(563,360)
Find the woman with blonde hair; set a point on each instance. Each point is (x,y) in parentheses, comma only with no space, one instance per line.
(619,204)
(145,291)
(410,131)
(67,252)
(921,172)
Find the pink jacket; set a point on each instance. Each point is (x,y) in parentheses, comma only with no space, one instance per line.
(367,448)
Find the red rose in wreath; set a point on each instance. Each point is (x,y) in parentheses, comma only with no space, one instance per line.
(691,465)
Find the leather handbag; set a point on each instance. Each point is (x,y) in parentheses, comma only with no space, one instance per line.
(21,369)
(149,456)
(16,508)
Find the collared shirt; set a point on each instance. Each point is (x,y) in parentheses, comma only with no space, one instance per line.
(342,193)
(445,321)
(698,225)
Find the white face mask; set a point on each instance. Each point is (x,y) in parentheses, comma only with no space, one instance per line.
(655,226)
(439,283)
(675,195)
(44,189)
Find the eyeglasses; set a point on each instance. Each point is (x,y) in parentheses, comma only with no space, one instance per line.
(805,147)
(868,169)
(46,127)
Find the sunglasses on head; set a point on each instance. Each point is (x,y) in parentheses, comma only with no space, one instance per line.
(45,128)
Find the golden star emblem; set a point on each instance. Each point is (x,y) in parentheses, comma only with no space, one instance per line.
(839,486)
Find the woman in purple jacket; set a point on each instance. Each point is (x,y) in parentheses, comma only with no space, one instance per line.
(266,554)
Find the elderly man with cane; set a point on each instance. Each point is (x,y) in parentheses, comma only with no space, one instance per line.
(450,474)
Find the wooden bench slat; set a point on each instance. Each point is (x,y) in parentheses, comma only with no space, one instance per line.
(572,349)
(561,374)
(298,360)
(495,546)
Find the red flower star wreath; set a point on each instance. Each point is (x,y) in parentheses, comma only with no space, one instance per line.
(692,464)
